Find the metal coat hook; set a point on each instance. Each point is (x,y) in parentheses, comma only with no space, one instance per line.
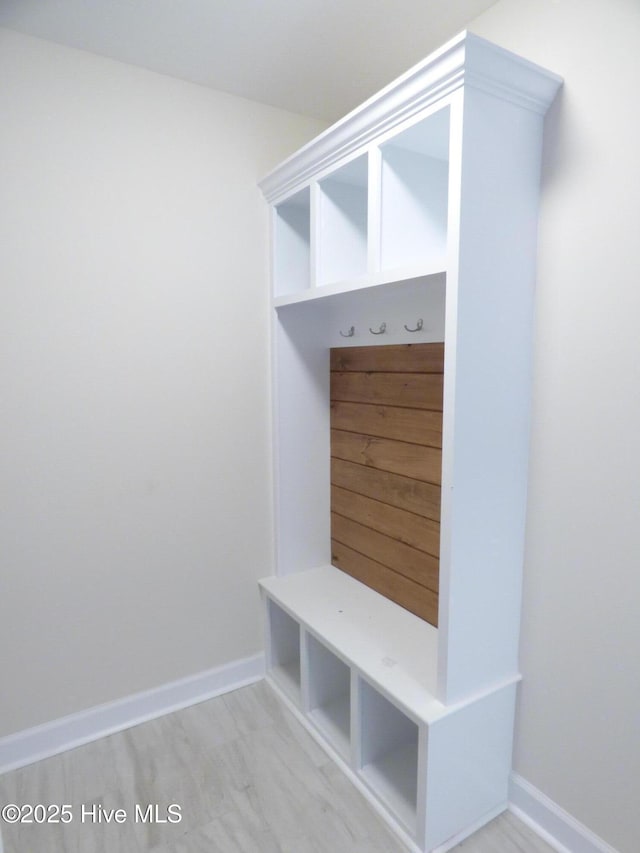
(350,333)
(381,330)
(417,328)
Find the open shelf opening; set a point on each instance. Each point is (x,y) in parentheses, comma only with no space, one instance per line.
(415,183)
(285,650)
(389,754)
(329,695)
(343,223)
(292,244)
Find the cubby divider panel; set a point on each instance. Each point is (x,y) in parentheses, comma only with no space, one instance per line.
(284,651)
(330,696)
(389,755)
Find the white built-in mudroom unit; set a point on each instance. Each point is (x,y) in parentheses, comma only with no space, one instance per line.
(401,474)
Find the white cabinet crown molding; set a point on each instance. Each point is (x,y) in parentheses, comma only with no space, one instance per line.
(466,60)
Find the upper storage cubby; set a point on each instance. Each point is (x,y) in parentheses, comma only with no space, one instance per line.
(378,217)
(342,235)
(292,244)
(414,192)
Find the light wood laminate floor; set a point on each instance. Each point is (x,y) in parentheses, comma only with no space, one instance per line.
(248,778)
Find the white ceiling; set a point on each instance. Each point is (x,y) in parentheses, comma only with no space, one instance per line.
(317,57)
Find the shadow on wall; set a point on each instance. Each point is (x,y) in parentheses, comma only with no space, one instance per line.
(554,157)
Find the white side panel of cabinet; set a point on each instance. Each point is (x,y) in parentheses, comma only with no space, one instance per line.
(469,765)
(488,336)
(301,441)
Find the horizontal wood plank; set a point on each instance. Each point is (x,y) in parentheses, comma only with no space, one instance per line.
(394,489)
(386,440)
(413,530)
(399,358)
(399,457)
(407,561)
(409,390)
(408,594)
(417,426)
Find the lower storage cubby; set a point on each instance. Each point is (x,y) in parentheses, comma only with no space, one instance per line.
(284,654)
(356,670)
(329,703)
(389,745)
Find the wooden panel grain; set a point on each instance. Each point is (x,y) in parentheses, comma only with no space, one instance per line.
(405,592)
(407,561)
(417,426)
(413,530)
(386,461)
(399,457)
(399,358)
(408,390)
(402,492)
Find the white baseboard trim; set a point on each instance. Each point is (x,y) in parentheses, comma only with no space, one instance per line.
(30,745)
(556,826)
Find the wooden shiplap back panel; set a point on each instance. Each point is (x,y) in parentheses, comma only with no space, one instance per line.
(386,458)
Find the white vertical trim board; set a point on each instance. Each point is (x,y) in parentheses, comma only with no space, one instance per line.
(30,745)
(551,822)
